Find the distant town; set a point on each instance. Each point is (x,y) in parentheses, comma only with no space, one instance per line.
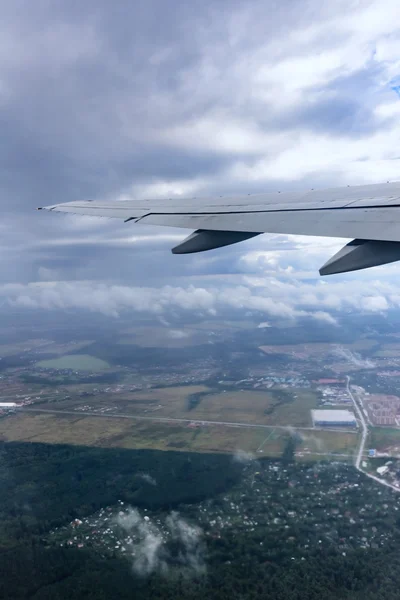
(348,389)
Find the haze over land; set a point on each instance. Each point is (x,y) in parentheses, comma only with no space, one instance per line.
(158,456)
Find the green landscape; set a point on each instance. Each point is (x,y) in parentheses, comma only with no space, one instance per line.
(131,445)
(75,362)
(257,526)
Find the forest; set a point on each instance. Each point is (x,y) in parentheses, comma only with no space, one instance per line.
(45,486)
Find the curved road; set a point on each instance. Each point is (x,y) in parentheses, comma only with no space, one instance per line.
(363,425)
(363,440)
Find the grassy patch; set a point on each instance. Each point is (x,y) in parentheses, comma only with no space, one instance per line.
(163,337)
(257,407)
(387,353)
(76,362)
(126,433)
(137,434)
(328,442)
(384,439)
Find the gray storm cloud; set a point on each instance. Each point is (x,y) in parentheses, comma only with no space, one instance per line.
(98,103)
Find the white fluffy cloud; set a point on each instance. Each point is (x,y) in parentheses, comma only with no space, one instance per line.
(150,551)
(280,298)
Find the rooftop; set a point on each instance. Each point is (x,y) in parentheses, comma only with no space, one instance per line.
(332,415)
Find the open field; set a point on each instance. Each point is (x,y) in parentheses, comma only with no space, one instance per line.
(310,349)
(163,337)
(166,402)
(26,346)
(363,344)
(179,337)
(41,346)
(324,441)
(127,433)
(77,362)
(306,349)
(384,439)
(257,407)
(388,351)
(60,429)
(277,407)
(67,348)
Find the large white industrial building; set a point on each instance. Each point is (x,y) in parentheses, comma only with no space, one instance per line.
(333,418)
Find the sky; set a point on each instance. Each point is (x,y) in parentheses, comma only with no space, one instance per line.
(163,99)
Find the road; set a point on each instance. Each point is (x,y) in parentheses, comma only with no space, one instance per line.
(169,419)
(364,432)
(364,435)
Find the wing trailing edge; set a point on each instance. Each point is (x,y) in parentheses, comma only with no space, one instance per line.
(368,214)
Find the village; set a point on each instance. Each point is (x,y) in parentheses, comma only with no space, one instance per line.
(294,509)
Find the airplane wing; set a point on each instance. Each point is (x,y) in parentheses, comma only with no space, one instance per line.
(368,213)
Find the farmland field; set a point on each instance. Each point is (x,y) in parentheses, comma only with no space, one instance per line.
(136,434)
(384,439)
(76,362)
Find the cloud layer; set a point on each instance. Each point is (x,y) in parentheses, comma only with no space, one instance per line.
(180,99)
(270,296)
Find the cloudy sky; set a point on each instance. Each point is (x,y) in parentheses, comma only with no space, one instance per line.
(158,99)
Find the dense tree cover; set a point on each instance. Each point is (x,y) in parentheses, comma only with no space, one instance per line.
(31,571)
(289,449)
(57,378)
(153,358)
(195,399)
(42,486)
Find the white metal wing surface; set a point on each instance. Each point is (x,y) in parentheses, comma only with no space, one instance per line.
(368,213)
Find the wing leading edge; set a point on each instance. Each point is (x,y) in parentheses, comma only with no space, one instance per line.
(370,214)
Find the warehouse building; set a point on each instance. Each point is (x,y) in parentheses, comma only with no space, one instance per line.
(333,418)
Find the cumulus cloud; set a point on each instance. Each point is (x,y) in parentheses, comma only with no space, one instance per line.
(214,296)
(148,552)
(112,300)
(324,317)
(148,478)
(313,440)
(191,553)
(159,547)
(243,457)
